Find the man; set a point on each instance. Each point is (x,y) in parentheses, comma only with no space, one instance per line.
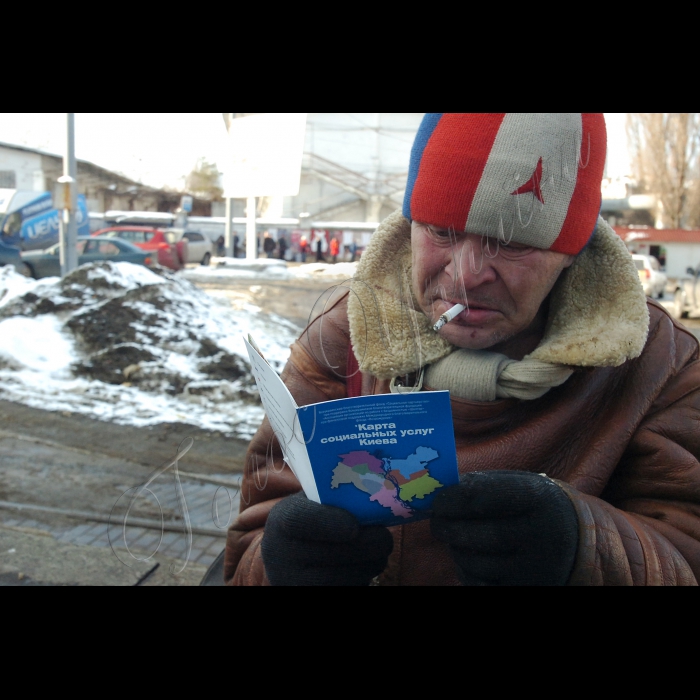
(353,251)
(574,399)
(303,248)
(320,245)
(334,249)
(269,244)
(282,244)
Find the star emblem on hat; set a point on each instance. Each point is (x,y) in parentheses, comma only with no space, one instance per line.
(533,184)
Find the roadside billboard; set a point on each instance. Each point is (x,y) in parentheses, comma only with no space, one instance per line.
(29,221)
(264,155)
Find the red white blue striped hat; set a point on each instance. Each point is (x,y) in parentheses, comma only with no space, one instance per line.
(531,178)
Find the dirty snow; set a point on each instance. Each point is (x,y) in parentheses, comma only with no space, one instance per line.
(262,268)
(122,343)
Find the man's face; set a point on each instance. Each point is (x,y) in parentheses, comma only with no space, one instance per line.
(503,287)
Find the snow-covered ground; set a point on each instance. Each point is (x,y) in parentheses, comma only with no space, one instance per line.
(122,343)
(264,268)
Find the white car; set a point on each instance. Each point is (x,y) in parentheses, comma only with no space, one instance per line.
(650,275)
(199,247)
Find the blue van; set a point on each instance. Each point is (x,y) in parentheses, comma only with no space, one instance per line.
(9,255)
(28,220)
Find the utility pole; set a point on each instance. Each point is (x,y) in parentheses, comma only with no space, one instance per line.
(67,200)
(228,233)
(228,230)
(251,238)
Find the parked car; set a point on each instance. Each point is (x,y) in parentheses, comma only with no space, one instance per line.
(170,253)
(686,296)
(47,263)
(10,255)
(199,247)
(650,275)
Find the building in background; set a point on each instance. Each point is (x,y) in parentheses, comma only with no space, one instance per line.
(354,174)
(675,249)
(624,205)
(355,165)
(23,168)
(354,169)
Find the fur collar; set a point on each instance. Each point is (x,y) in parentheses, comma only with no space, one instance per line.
(598,314)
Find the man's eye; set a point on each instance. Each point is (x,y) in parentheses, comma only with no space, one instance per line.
(439,232)
(517,247)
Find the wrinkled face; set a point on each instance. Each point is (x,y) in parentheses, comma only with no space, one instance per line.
(503,287)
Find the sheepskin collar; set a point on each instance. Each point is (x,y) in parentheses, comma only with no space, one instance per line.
(598,315)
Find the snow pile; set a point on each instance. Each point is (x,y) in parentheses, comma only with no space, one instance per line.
(19,347)
(263,268)
(239,268)
(316,270)
(121,342)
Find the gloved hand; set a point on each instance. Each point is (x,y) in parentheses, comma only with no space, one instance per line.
(507,528)
(309,544)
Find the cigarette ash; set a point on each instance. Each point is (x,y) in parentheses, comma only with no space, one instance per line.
(148,343)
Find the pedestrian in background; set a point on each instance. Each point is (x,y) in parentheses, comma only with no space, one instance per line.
(334,249)
(269,244)
(282,245)
(353,251)
(320,245)
(220,248)
(303,248)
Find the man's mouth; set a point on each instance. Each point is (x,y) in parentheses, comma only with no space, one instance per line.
(470,305)
(476,312)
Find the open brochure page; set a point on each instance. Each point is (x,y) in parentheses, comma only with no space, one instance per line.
(281,410)
(384,458)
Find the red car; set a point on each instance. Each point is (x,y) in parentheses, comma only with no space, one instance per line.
(170,253)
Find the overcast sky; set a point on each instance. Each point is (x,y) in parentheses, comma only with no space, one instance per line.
(161,149)
(156,149)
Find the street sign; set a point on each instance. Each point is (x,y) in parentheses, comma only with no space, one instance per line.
(186,202)
(63,192)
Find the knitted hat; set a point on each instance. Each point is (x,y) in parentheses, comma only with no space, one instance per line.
(531,178)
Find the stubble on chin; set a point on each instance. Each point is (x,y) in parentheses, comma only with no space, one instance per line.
(472,339)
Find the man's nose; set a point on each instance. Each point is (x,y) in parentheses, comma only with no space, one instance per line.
(472,261)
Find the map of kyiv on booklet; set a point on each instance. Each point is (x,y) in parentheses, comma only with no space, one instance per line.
(383,458)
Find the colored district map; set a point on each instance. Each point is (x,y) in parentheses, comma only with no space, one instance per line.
(393,483)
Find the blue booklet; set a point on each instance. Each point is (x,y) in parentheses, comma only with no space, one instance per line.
(383,458)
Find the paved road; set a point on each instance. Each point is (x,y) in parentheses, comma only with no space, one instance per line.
(295,300)
(78,494)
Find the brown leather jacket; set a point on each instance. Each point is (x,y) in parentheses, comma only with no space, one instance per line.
(623,442)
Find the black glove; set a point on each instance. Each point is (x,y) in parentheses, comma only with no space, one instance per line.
(309,544)
(507,528)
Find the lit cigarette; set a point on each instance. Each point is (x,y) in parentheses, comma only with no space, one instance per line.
(448,316)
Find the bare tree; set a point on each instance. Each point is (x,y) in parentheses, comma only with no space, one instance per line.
(665,148)
(203,181)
